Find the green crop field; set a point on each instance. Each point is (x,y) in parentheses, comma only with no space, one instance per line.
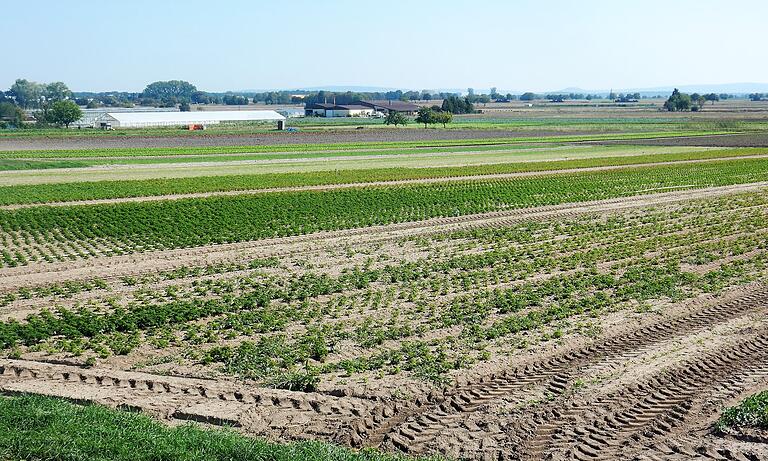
(371,300)
(362,173)
(191,222)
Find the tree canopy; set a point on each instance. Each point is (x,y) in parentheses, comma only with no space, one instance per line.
(457,105)
(395,118)
(171,90)
(678,102)
(27,94)
(426,115)
(10,113)
(64,112)
(56,91)
(443,117)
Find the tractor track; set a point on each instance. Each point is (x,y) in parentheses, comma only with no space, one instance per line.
(414,431)
(647,413)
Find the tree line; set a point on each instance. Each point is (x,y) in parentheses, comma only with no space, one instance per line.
(681,102)
(51,102)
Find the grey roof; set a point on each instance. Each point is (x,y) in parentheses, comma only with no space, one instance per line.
(337,106)
(398,106)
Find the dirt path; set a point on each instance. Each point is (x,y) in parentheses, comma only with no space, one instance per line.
(134,264)
(327,187)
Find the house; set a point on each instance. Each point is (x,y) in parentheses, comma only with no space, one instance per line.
(391,106)
(338,110)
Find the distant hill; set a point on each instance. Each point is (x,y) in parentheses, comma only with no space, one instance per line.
(730,88)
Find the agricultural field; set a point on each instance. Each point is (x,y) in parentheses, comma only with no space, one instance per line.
(525,288)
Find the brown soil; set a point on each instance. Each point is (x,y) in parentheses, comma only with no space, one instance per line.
(663,412)
(275,138)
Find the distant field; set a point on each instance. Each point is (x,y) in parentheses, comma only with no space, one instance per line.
(298,163)
(428,141)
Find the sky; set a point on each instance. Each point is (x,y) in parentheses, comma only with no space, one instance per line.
(514,45)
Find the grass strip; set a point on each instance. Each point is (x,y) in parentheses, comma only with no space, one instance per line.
(43,428)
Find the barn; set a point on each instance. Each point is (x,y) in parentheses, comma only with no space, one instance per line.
(156,119)
(338,110)
(386,107)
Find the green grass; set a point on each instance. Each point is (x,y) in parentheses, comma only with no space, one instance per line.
(155,151)
(45,193)
(47,429)
(752,412)
(23,164)
(30,162)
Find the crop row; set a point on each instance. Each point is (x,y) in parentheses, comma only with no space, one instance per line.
(502,286)
(150,151)
(46,193)
(194,222)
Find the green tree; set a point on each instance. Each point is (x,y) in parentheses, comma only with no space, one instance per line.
(678,102)
(56,91)
(426,116)
(64,112)
(457,105)
(171,90)
(11,113)
(27,94)
(528,96)
(201,97)
(395,118)
(712,97)
(443,117)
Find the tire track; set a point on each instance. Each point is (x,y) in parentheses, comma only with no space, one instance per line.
(647,411)
(413,431)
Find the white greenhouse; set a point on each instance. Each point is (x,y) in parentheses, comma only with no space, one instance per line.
(153,119)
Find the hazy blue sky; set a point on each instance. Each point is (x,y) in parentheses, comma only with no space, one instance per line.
(417,44)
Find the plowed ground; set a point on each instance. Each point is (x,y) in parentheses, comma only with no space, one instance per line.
(611,330)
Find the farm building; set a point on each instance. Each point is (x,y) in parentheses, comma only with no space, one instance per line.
(92,118)
(391,106)
(155,119)
(338,110)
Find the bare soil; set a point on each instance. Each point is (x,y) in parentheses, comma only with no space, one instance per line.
(269,138)
(702,355)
